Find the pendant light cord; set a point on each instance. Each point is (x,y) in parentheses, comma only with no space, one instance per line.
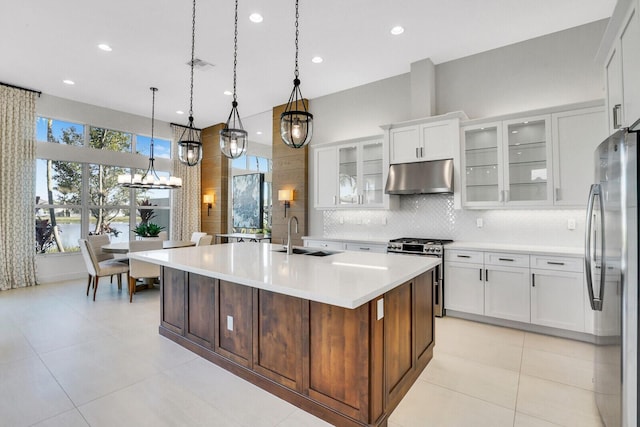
(235,55)
(153,114)
(193,43)
(297,16)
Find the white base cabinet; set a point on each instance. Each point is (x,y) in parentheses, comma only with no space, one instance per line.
(464,289)
(540,290)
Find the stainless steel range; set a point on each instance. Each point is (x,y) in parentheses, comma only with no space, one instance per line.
(425,247)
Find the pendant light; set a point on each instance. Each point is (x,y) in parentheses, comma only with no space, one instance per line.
(189,145)
(233,137)
(296,122)
(150,179)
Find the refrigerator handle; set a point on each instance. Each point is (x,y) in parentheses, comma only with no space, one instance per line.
(617,123)
(596,303)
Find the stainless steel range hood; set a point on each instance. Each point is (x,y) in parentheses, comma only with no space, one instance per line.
(430,177)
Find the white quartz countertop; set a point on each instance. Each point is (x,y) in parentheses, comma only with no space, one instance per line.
(347,240)
(345,279)
(526,249)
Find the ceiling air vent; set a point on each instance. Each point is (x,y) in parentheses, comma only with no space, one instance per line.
(199,64)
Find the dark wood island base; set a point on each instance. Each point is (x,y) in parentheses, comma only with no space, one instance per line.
(350,367)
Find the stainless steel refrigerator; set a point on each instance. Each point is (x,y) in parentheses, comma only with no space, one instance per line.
(611,257)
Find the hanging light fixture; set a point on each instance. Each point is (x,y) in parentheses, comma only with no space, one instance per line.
(296,122)
(189,145)
(150,179)
(233,137)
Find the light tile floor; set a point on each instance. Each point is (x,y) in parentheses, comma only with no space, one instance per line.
(68,361)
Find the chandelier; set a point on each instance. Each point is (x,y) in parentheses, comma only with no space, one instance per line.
(150,179)
(233,138)
(296,122)
(189,145)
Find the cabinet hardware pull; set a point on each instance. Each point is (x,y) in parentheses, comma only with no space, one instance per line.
(464,256)
(365,249)
(486,275)
(417,155)
(557,194)
(506,259)
(334,200)
(555,263)
(481,275)
(616,116)
(533,279)
(421,151)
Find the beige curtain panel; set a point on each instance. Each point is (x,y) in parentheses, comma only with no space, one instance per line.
(185,202)
(17,181)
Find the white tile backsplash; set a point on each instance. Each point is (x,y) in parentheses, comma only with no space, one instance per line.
(433,216)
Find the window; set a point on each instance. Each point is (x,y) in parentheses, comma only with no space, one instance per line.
(76,198)
(161,147)
(240,166)
(60,132)
(58,206)
(107,139)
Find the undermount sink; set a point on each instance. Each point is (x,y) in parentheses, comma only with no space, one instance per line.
(312,252)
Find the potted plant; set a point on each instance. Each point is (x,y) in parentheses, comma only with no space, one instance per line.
(148,230)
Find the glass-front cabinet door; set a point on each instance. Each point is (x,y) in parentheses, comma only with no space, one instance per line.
(372,190)
(482,157)
(527,153)
(348,175)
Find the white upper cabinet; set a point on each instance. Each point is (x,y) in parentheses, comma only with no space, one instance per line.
(576,134)
(622,67)
(507,163)
(351,175)
(532,160)
(433,140)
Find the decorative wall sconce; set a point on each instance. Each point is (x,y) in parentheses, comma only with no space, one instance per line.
(208,200)
(285,196)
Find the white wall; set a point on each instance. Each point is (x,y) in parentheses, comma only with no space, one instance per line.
(556,69)
(553,70)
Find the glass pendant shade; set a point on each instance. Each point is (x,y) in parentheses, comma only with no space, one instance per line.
(296,123)
(233,138)
(189,146)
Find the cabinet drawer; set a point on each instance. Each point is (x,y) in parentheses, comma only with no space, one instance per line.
(325,244)
(463,256)
(366,247)
(506,259)
(557,263)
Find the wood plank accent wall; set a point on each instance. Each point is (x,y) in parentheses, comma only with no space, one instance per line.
(290,171)
(214,180)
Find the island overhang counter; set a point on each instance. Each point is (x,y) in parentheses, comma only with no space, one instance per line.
(342,336)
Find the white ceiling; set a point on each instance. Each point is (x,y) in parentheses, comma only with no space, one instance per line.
(43,42)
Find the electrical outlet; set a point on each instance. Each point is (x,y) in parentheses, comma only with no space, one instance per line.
(230,323)
(571,224)
(380,310)
(479,223)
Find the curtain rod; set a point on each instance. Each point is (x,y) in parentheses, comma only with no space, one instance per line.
(183,126)
(21,88)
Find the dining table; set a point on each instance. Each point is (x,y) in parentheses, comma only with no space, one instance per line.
(123,247)
(242,237)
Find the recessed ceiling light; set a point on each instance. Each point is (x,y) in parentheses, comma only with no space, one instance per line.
(259,132)
(179,112)
(317,59)
(397,30)
(514,131)
(255,17)
(105,47)
(228,93)
(68,82)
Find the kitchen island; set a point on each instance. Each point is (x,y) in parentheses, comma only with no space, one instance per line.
(341,335)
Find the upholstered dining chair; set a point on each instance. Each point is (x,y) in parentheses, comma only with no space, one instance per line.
(196,235)
(140,269)
(97,269)
(204,240)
